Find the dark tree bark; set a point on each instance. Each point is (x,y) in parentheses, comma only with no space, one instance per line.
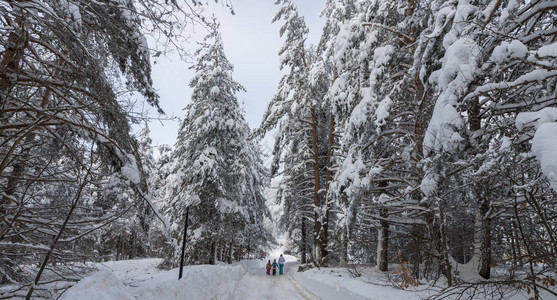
(383,242)
(447,269)
(485,220)
(303,249)
(213,253)
(485,258)
(317,242)
(229,254)
(383,235)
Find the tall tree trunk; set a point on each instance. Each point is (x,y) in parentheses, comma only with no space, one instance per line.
(516,238)
(230,252)
(433,255)
(383,241)
(145,211)
(222,250)
(418,138)
(213,253)
(317,214)
(325,226)
(344,246)
(482,240)
(483,220)
(329,178)
(484,268)
(416,250)
(383,235)
(512,242)
(447,268)
(303,248)
(249,244)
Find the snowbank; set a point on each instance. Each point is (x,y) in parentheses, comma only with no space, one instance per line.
(101,285)
(198,282)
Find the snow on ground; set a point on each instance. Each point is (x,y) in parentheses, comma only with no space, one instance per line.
(133,272)
(119,282)
(258,285)
(140,279)
(337,283)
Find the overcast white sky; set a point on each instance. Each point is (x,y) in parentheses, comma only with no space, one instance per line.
(251,44)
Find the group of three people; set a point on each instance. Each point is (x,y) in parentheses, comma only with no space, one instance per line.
(274,266)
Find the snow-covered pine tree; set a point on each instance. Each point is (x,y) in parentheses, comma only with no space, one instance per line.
(375,103)
(427,95)
(215,164)
(340,45)
(300,104)
(130,236)
(145,213)
(336,13)
(163,244)
(295,191)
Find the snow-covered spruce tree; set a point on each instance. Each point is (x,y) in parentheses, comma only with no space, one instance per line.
(295,192)
(340,45)
(393,104)
(377,104)
(216,164)
(130,236)
(337,13)
(145,214)
(300,105)
(163,245)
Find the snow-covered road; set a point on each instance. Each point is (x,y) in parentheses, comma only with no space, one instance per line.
(257,285)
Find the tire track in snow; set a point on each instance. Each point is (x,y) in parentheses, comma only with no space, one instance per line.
(302,290)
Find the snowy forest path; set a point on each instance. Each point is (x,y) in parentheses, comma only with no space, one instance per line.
(257,285)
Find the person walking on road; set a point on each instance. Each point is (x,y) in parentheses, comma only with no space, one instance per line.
(269,267)
(281,264)
(274,265)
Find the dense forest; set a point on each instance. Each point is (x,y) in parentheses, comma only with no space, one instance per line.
(417,136)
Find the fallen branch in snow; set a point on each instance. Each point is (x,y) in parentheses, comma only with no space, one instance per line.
(354,271)
(303,268)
